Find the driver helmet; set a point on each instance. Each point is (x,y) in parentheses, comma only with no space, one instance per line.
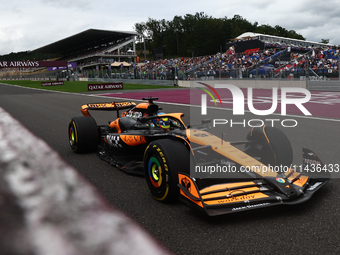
(162,122)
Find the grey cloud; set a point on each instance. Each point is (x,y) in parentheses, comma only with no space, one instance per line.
(32,24)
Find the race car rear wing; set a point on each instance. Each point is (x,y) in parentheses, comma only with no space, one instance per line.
(113,106)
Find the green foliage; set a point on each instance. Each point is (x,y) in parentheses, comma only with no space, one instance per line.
(325,41)
(200,34)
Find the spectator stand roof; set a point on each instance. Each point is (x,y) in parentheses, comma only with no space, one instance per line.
(277,39)
(84,40)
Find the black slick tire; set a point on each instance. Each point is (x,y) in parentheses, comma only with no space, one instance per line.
(163,160)
(83,134)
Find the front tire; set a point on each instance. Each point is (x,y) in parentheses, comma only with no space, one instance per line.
(163,159)
(83,134)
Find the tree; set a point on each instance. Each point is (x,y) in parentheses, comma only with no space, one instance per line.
(325,41)
(201,33)
(265,29)
(294,35)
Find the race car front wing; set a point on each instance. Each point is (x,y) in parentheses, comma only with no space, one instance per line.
(235,196)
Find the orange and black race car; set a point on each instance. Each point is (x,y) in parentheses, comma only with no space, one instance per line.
(195,166)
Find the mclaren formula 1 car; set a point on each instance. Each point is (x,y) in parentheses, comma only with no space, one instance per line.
(180,162)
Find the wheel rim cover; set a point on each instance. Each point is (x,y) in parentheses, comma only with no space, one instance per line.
(155,172)
(72,136)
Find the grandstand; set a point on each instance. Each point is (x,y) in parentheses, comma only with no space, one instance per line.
(109,54)
(95,48)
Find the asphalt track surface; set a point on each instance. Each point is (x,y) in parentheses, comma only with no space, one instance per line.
(309,228)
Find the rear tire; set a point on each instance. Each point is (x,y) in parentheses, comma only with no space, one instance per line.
(163,159)
(83,134)
(271,146)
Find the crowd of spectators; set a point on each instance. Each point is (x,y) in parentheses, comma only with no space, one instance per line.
(325,58)
(17,70)
(230,61)
(212,64)
(227,62)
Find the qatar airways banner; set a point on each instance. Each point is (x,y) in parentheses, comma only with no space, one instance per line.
(105,86)
(53,83)
(20,64)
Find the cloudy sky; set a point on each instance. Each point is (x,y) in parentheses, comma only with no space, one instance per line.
(28,25)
